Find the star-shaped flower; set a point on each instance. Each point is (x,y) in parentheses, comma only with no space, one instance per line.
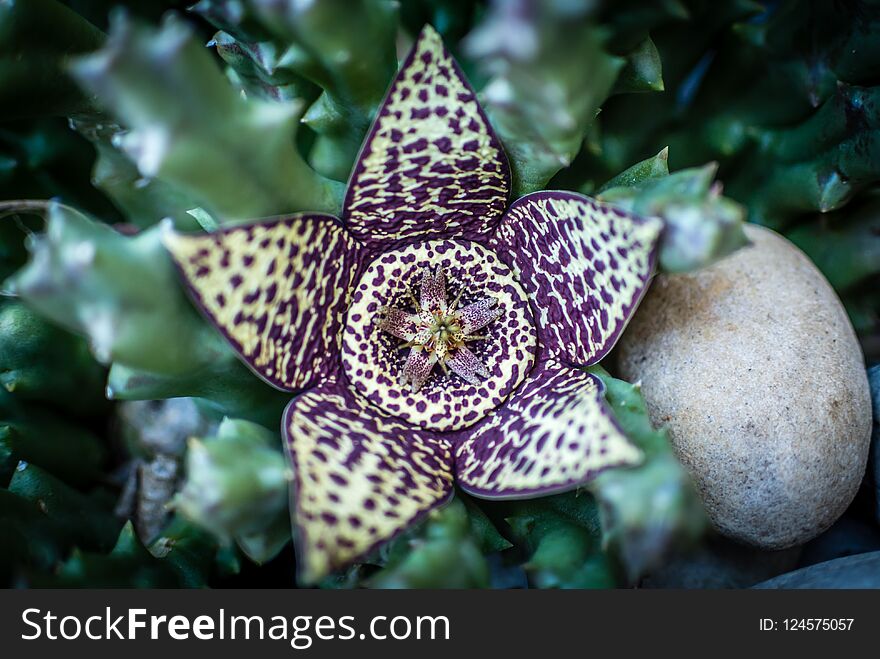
(489,392)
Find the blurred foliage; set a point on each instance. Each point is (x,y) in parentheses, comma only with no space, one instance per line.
(36,37)
(187,126)
(121,116)
(236,487)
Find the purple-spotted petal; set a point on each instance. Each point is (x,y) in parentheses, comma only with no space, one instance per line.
(467,365)
(432,292)
(398,323)
(360,476)
(418,367)
(585,265)
(431,165)
(555,433)
(478,314)
(277,289)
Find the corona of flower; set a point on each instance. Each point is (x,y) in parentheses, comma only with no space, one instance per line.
(433,335)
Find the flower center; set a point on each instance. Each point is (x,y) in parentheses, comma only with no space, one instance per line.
(438,334)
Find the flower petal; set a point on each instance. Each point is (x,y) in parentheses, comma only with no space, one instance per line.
(431,165)
(360,476)
(468,366)
(398,323)
(278,290)
(478,314)
(554,434)
(418,367)
(585,265)
(432,292)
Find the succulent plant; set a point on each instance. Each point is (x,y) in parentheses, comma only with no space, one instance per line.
(148,162)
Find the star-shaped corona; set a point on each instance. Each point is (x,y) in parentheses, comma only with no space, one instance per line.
(437,332)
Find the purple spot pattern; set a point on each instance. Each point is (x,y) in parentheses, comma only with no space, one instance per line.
(431,166)
(361,476)
(554,433)
(585,266)
(277,289)
(373,361)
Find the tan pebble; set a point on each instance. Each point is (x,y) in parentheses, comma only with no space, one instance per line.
(755,368)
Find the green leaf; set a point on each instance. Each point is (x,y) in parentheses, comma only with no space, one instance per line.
(86,520)
(482,529)
(128,565)
(844,245)
(560,535)
(701,225)
(648,169)
(144,201)
(260,70)
(237,487)
(650,511)
(192,552)
(344,50)
(188,126)
(71,453)
(441,553)
(267,543)
(549,74)
(31,540)
(42,363)
(120,291)
(225,384)
(643,71)
(36,37)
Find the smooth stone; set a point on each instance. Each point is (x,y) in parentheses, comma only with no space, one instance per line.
(755,369)
(873,476)
(859,571)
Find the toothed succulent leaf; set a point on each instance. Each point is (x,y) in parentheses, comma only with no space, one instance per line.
(128,565)
(343,50)
(119,291)
(236,487)
(187,126)
(441,554)
(700,225)
(643,71)
(143,200)
(536,57)
(846,244)
(562,537)
(39,437)
(85,521)
(41,362)
(651,510)
(36,37)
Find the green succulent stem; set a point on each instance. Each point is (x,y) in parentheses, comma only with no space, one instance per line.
(187,126)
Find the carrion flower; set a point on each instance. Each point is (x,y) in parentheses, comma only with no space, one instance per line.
(433,335)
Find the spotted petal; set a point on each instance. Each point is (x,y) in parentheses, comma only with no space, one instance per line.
(468,366)
(586,266)
(431,165)
(360,476)
(278,290)
(478,314)
(554,434)
(398,323)
(432,292)
(418,366)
